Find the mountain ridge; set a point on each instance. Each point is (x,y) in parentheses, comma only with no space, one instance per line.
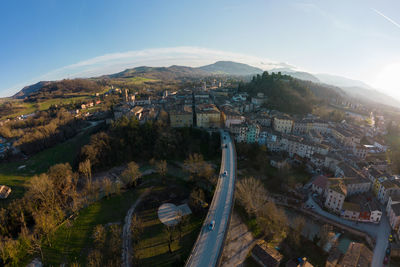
(231,68)
(352,87)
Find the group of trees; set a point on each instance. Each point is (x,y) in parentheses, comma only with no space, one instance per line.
(31,221)
(107,246)
(253,197)
(43,130)
(128,140)
(27,224)
(280,90)
(283,89)
(198,168)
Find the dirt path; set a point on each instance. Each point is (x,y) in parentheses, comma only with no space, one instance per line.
(126,233)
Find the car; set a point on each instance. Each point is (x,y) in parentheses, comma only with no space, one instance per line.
(224,145)
(224,137)
(225,173)
(388,251)
(385,260)
(312,206)
(390,238)
(211,226)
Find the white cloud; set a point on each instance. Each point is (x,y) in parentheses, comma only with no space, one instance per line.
(158,57)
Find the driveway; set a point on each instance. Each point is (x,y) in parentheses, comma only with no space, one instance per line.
(379,231)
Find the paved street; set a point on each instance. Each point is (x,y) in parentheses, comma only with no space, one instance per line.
(209,243)
(379,231)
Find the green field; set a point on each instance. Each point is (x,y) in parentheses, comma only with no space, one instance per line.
(11,175)
(72,242)
(141,79)
(21,108)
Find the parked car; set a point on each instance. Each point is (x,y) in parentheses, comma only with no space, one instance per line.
(390,238)
(385,260)
(211,226)
(388,251)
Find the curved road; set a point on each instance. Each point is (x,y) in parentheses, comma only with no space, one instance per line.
(209,243)
(379,231)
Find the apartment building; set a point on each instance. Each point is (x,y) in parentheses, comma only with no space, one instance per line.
(283,124)
(207,116)
(181,116)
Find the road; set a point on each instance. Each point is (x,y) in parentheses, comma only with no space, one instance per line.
(379,231)
(209,243)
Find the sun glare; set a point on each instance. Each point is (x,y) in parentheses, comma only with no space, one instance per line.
(388,80)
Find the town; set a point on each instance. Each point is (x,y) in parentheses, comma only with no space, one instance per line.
(350,181)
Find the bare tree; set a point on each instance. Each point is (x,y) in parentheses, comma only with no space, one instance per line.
(64,180)
(9,250)
(47,221)
(183,222)
(251,194)
(85,169)
(41,192)
(197,198)
(193,164)
(131,174)
(107,186)
(170,232)
(136,228)
(162,168)
(197,167)
(99,236)
(95,258)
(115,241)
(272,221)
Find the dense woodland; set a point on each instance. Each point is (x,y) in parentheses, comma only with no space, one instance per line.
(283,89)
(127,139)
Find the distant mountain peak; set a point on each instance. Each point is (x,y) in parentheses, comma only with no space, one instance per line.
(231,68)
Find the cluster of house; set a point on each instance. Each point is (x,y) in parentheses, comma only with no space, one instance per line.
(357,254)
(386,188)
(349,197)
(90,104)
(5,191)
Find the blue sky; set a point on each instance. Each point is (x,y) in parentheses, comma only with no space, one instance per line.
(54,39)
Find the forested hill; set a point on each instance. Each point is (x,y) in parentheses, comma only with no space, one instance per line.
(60,89)
(288,94)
